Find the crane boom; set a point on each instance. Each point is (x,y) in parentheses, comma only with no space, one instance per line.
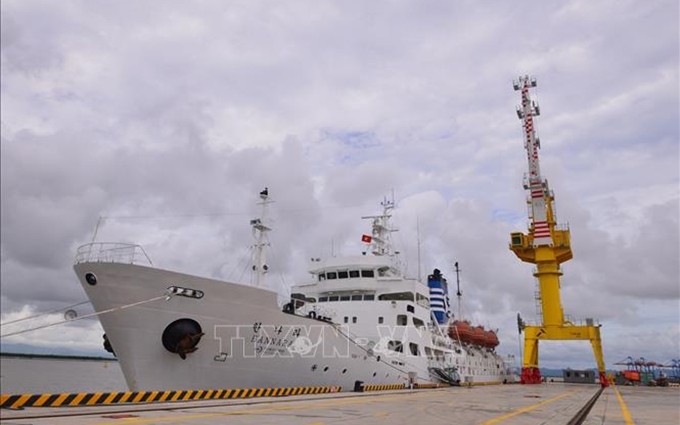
(537,186)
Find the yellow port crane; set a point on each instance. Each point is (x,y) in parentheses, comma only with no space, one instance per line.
(547,245)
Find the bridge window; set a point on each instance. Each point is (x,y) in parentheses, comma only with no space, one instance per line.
(422,300)
(354,273)
(397,296)
(333,298)
(369,297)
(344,298)
(323,299)
(331,275)
(367,273)
(343,275)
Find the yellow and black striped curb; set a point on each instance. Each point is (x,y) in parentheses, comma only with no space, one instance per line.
(430,385)
(382,387)
(477,384)
(16,401)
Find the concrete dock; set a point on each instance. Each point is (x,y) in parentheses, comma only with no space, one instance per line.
(552,403)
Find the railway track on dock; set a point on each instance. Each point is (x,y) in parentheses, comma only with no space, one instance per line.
(582,414)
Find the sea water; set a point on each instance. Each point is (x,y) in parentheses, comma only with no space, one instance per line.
(35,375)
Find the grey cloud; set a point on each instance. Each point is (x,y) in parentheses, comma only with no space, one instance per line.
(168,119)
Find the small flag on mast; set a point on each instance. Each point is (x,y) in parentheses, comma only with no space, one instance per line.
(366,238)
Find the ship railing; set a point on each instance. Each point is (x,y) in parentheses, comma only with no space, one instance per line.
(112,252)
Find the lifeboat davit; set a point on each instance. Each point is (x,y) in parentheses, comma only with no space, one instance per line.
(491,339)
(462,330)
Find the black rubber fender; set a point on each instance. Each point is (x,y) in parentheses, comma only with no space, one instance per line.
(182,336)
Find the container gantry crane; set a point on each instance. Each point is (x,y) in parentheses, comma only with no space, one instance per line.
(546,245)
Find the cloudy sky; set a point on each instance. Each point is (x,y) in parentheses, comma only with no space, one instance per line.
(166,118)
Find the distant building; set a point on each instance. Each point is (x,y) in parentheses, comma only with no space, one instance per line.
(578,376)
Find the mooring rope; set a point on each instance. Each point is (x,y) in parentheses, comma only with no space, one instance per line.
(44,313)
(167,295)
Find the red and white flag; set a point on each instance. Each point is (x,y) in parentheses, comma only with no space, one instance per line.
(366,238)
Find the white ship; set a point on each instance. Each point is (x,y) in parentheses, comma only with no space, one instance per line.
(358,320)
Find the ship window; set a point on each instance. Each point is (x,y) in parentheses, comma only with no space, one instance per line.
(354,319)
(397,296)
(323,299)
(395,346)
(357,297)
(333,298)
(331,275)
(344,298)
(346,319)
(410,308)
(422,300)
(322,277)
(343,275)
(367,273)
(414,348)
(300,299)
(380,319)
(354,273)
(402,320)
(418,323)
(369,297)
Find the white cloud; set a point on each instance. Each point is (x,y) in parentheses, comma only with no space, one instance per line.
(168,118)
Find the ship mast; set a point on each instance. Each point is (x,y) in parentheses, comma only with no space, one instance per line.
(260,230)
(458,293)
(546,245)
(381,241)
(381,231)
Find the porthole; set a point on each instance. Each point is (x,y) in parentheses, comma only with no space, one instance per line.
(375,373)
(91,279)
(344,371)
(325,369)
(313,367)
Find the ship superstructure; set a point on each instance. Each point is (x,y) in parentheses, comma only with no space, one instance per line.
(358,319)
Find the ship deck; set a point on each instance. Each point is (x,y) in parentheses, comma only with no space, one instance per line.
(551,403)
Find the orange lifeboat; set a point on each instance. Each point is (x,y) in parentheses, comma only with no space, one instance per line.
(478,336)
(491,339)
(462,330)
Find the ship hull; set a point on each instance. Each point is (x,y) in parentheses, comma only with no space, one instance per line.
(248,340)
